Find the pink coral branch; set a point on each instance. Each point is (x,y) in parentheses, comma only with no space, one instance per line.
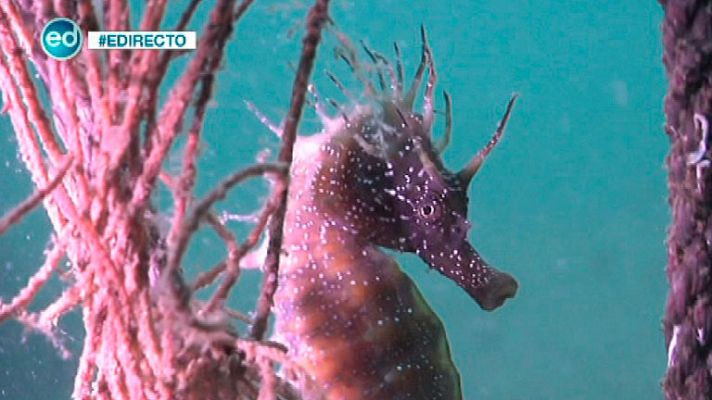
(158,72)
(202,208)
(38,280)
(22,209)
(211,46)
(232,266)
(18,68)
(145,337)
(209,276)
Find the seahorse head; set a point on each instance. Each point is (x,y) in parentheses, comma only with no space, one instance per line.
(396,191)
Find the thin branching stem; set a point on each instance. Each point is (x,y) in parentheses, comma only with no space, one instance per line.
(315,21)
(16,214)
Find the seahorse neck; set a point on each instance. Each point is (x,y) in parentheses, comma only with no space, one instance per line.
(313,226)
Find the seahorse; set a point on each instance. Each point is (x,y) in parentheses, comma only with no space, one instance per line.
(373,179)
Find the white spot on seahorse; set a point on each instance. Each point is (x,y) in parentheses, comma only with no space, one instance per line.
(700,158)
(673,344)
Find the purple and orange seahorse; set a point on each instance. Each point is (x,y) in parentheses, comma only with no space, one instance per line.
(372,178)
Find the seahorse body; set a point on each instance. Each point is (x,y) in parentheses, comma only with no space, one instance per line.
(345,309)
(348,314)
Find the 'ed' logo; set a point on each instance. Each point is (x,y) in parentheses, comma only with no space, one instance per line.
(61,38)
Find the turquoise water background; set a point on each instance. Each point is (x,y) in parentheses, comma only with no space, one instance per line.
(572,202)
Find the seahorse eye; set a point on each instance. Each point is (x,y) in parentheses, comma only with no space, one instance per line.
(427,210)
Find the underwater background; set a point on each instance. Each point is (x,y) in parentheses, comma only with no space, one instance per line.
(572,202)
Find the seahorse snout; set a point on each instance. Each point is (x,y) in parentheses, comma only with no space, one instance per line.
(489,287)
(500,287)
